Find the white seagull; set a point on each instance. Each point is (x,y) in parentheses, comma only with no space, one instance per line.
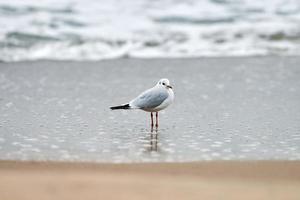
(152,100)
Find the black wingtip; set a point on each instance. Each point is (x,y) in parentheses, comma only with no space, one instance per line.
(126,106)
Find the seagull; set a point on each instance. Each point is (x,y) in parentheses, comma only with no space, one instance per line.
(152,100)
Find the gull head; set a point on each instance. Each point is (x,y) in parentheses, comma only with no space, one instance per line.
(165,83)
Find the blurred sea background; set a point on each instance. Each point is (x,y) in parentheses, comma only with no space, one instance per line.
(95,30)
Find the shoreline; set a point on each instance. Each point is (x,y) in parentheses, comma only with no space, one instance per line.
(208,180)
(151,59)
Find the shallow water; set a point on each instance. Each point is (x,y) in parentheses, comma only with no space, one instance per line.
(224,109)
(94,30)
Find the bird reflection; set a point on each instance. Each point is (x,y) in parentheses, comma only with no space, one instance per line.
(153,138)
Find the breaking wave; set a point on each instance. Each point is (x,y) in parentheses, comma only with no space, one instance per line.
(94,30)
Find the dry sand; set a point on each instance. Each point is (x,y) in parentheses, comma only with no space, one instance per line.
(200,180)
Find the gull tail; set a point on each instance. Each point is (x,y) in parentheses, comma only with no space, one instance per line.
(125,106)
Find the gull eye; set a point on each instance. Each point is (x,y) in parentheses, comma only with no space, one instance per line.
(164,84)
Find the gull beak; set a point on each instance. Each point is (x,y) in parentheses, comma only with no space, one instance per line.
(169,86)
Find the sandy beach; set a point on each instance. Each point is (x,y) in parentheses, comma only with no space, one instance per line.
(235,109)
(200,180)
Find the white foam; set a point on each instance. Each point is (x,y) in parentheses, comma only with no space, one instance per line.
(93,30)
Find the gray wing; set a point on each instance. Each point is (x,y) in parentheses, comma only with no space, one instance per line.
(150,98)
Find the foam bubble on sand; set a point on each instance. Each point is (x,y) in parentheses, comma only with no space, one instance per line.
(9,104)
(54,146)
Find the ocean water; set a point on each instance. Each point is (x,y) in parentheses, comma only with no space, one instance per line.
(95,30)
(224,109)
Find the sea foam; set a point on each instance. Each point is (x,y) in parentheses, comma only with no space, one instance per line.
(94,30)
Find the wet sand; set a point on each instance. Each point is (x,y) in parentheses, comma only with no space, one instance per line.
(224,109)
(200,180)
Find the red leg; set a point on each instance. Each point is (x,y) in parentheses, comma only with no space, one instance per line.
(156,119)
(151,119)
